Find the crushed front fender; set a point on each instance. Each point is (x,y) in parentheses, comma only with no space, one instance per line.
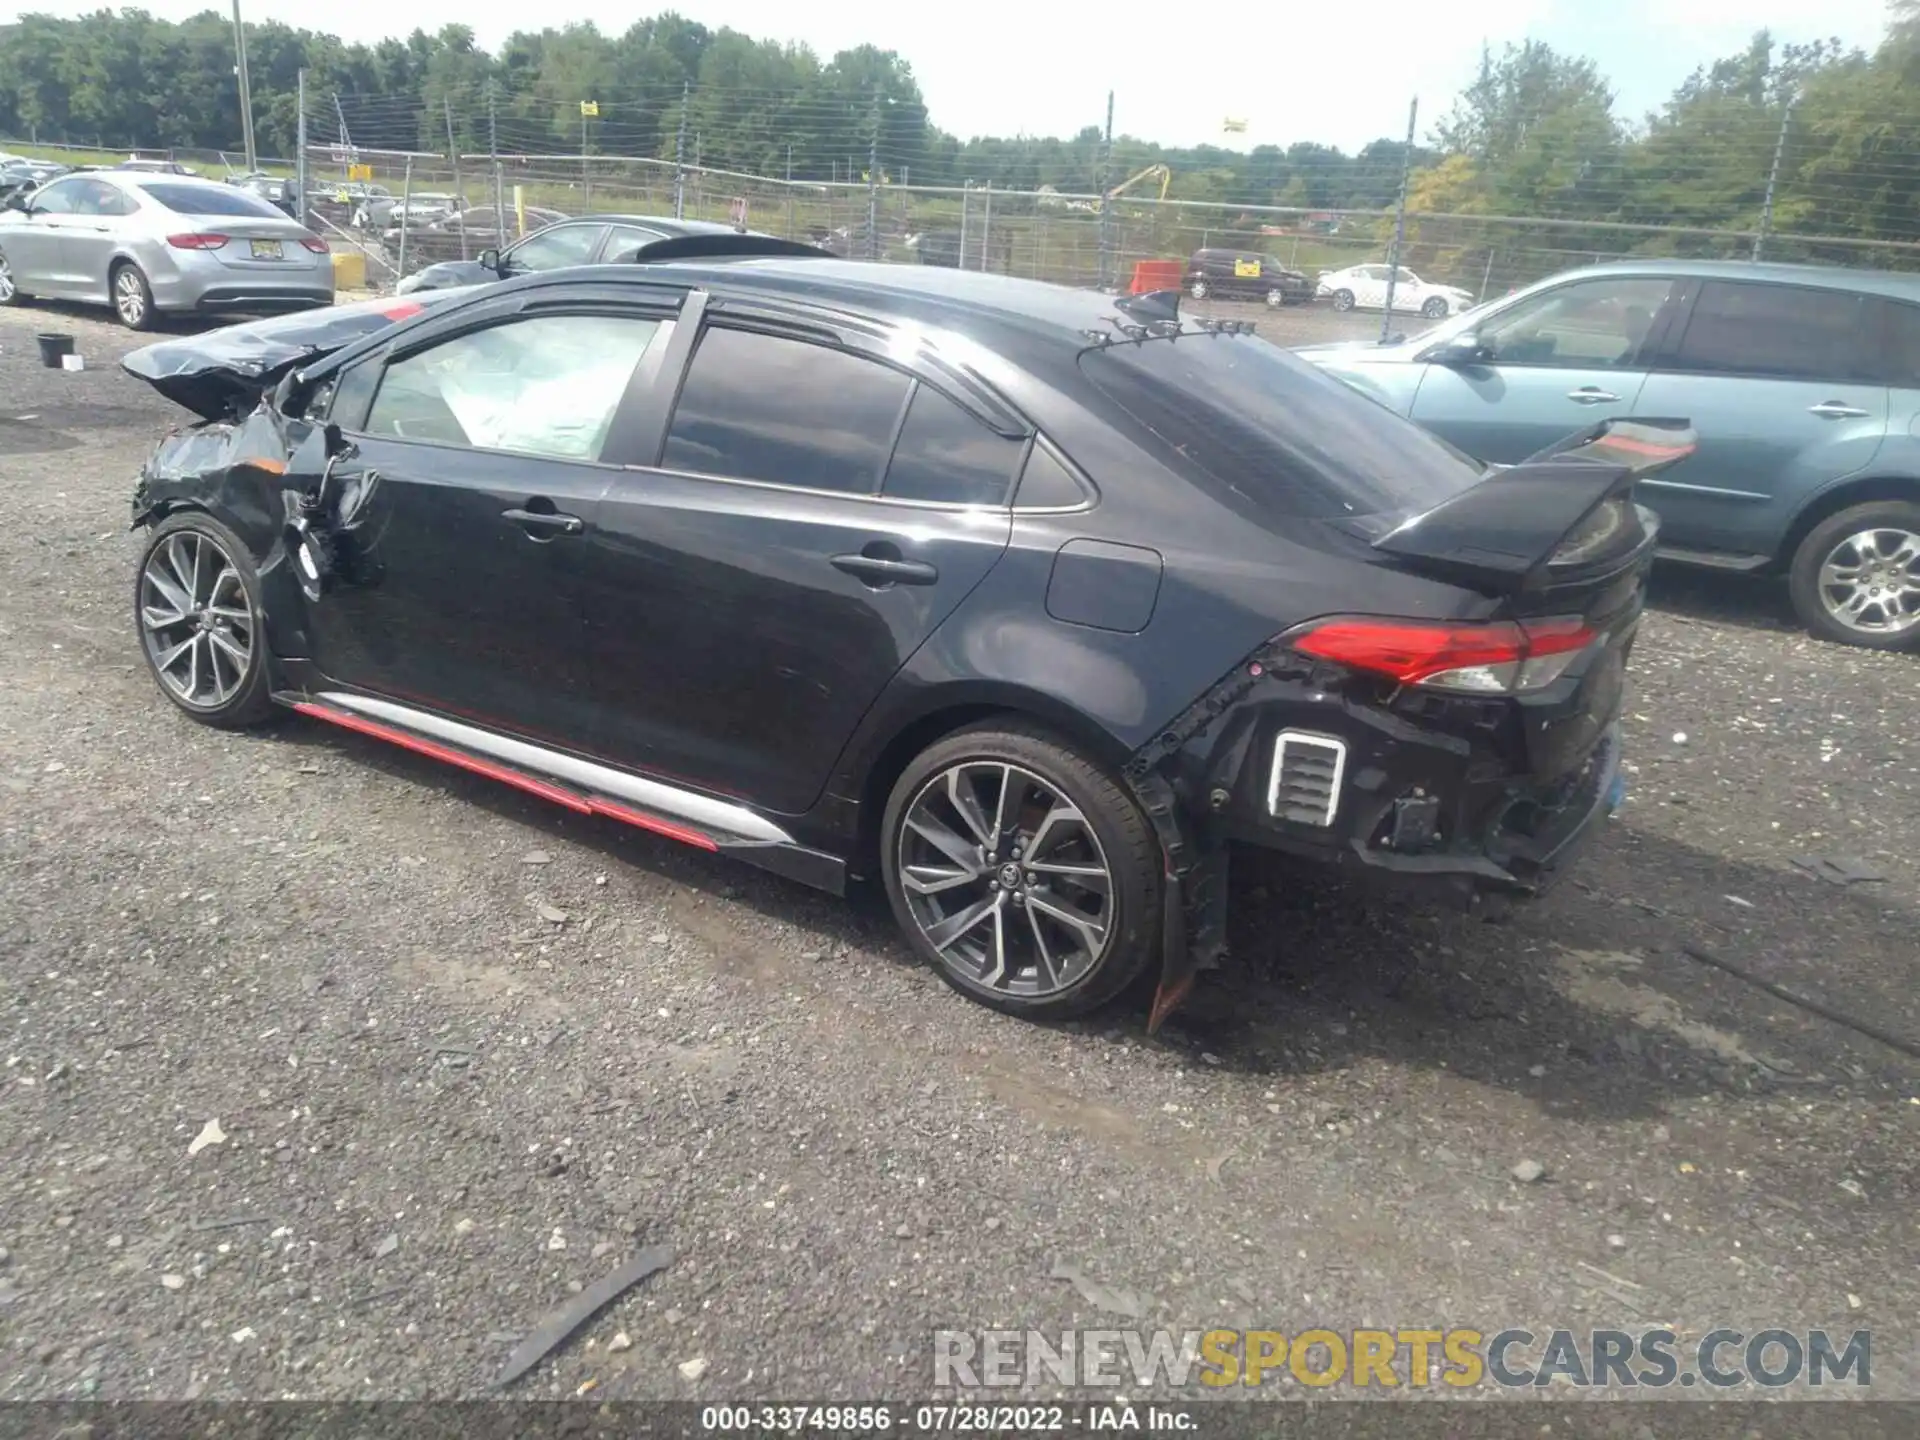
(238,473)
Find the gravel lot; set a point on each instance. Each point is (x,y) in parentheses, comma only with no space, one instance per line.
(442,1111)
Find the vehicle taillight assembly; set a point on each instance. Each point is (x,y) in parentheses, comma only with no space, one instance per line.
(196,241)
(1503,658)
(314,243)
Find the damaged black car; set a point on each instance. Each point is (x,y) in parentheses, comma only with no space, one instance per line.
(1028,602)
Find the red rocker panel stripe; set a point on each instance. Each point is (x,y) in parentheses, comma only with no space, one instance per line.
(506,774)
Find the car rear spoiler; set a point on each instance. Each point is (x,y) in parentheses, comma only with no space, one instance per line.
(1504,534)
(720,246)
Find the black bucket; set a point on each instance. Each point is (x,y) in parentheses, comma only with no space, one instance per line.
(54,349)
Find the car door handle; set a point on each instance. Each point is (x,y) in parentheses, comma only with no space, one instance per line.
(1592,395)
(881,571)
(1836,410)
(545,520)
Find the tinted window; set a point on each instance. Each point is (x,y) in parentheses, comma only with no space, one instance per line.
(1273,433)
(945,454)
(1594,324)
(545,386)
(1902,344)
(1783,331)
(554,249)
(762,407)
(186,199)
(1046,483)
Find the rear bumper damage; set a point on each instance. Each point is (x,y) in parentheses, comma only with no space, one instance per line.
(1283,755)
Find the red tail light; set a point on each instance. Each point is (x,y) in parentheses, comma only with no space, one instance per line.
(1503,658)
(196,241)
(314,243)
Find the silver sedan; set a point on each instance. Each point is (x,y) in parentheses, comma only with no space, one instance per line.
(148,244)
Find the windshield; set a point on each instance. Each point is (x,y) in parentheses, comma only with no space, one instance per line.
(1275,433)
(210,200)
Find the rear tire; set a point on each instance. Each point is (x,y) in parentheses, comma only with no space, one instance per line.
(9,287)
(1198,289)
(1435,309)
(132,296)
(202,627)
(1879,543)
(1028,877)
(1343,300)
(1276,298)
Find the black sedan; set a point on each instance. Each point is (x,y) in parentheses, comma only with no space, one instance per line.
(583,240)
(1029,601)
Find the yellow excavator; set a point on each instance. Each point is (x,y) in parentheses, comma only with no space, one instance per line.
(1152,172)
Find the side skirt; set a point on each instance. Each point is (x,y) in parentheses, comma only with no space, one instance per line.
(582,786)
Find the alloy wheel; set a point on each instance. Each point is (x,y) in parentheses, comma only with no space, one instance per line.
(195,620)
(1870,581)
(1006,879)
(128,296)
(1198,289)
(6,282)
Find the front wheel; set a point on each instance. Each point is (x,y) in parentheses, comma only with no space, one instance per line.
(1435,309)
(1856,577)
(1197,289)
(196,603)
(1022,871)
(9,289)
(1343,300)
(1276,298)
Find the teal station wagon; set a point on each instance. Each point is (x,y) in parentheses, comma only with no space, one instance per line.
(1802,382)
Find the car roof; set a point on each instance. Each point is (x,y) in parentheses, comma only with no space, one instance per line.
(665,223)
(1824,277)
(932,294)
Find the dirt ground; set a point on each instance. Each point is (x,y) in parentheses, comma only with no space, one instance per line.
(443,1111)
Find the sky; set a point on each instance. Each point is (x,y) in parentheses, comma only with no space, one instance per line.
(1004,67)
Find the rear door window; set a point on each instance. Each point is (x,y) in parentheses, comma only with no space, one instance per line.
(785,412)
(1901,344)
(944,454)
(1781,332)
(1270,432)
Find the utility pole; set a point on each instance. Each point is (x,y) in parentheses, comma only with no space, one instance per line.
(346,140)
(453,154)
(1399,222)
(588,108)
(1773,183)
(789,192)
(873,181)
(1106,201)
(300,147)
(493,161)
(966,191)
(680,158)
(246,90)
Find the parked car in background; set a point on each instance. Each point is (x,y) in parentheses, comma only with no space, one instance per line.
(587,240)
(1803,382)
(141,166)
(1025,600)
(145,243)
(276,190)
(485,219)
(19,174)
(1364,287)
(1245,275)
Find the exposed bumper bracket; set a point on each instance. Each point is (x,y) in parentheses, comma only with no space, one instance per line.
(1193,902)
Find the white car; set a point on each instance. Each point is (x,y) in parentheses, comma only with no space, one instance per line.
(1364,287)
